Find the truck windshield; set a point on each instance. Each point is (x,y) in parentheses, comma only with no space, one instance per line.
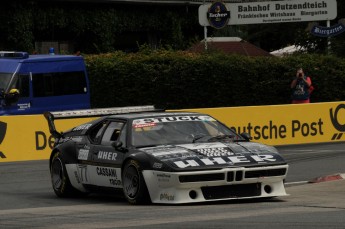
(5,79)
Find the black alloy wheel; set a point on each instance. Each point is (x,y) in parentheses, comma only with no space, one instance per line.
(134,186)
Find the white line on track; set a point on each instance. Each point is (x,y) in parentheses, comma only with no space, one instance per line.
(296,183)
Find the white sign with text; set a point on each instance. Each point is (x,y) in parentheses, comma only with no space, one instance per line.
(275,12)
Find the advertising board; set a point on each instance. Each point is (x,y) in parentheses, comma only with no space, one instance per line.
(27,137)
(285,124)
(274,12)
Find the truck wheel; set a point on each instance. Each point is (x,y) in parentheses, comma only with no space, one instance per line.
(134,186)
(60,181)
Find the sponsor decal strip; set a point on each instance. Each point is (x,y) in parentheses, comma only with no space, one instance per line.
(152,121)
(225,160)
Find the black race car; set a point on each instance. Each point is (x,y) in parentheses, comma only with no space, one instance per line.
(162,157)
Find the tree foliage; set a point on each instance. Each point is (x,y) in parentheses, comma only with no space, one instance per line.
(94,28)
(106,27)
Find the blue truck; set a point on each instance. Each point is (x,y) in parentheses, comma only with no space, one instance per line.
(34,84)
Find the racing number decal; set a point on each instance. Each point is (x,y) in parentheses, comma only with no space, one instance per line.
(82,170)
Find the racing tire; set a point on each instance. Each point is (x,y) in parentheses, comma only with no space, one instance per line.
(134,186)
(60,181)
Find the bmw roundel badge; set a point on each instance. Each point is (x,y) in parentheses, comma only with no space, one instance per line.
(218,15)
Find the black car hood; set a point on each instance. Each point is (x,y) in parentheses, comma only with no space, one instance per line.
(215,154)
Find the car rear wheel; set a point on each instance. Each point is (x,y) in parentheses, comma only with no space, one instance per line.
(134,186)
(61,184)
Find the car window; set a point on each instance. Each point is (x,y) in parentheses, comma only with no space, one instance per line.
(123,135)
(96,132)
(5,79)
(112,133)
(54,84)
(23,84)
(175,130)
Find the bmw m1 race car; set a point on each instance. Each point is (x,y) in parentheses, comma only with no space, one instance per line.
(162,157)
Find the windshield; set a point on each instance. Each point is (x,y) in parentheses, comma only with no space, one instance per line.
(5,79)
(178,130)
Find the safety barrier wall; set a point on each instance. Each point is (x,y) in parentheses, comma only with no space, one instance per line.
(28,138)
(285,124)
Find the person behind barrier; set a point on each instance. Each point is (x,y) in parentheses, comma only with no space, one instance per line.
(300,87)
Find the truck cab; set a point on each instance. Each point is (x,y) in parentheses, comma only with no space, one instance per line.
(34,84)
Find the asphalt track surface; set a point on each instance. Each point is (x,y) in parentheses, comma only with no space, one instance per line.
(27,200)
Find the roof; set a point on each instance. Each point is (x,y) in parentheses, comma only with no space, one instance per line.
(230,45)
(152,114)
(132,116)
(287,50)
(40,58)
(10,65)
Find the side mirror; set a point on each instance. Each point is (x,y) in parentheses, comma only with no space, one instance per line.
(12,96)
(118,146)
(246,136)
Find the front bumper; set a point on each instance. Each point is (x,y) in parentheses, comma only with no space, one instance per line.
(215,185)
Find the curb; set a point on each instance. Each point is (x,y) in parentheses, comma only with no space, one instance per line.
(328,178)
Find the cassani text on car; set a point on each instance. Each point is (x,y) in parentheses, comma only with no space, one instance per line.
(163,157)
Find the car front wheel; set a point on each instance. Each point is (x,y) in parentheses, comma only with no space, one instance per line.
(134,186)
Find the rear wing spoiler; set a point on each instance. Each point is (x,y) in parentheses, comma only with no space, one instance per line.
(51,116)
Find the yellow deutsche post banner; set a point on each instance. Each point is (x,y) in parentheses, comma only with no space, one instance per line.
(285,124)
(27,137)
